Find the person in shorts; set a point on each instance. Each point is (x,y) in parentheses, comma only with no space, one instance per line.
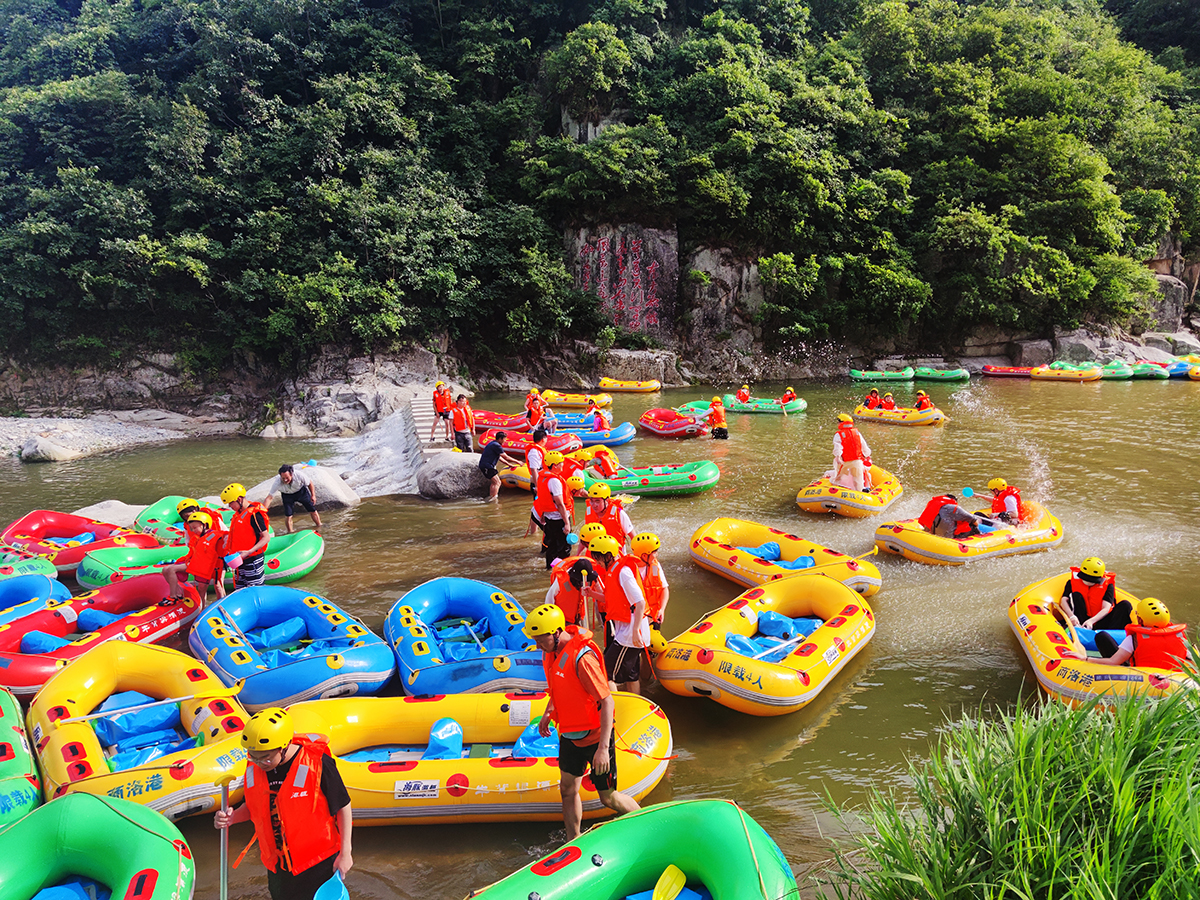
(491,457)
(464,423)
(294,489)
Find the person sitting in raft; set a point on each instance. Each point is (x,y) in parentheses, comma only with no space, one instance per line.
(206,546)
(610,513)
(716,420)
(788,396)
(923,402)
(872,400)
(743,394)
(1006,502)
(532,399)
(644,548)
(573,581)
(491,458)
(441,409)
(1089,598)
(1153,643)
(888,402)
(303,820)
(850,453)
(582,706)
(604,464)
(944,517)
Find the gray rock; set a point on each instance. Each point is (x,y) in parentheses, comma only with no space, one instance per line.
(1159,341)
(1167,308)
(989,340)
(40,448)
(451,476)
(332,492)
(114,512)
(975,364)
(1077,346)
(1155,355)
(1184,343)
(642,365)
(1032,353)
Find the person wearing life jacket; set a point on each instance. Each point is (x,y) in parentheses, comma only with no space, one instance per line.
(464,424)
(441,410)
(577,486)
(788,396)
(203,561)
(1089,598)
(625,606)
(581,705)
(535,457)
(604,464)
(185,508)
(716,420)
(491,458)
(573,581)
(535,414)
(1006,502)
(610,513)
(872,400)
(743,394)
(850,455)
(944,517)
(889,402)
(249,534)
(1153,643)
(644,548)
(298,803)
(923,402)
(552,509)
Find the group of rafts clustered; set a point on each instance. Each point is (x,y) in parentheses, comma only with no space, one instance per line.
(99,760)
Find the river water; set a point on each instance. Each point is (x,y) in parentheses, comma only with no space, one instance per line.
(1115,461)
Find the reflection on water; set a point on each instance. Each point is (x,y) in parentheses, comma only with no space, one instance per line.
(1116,461)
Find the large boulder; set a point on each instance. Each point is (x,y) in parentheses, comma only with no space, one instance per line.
(451,476)
(331,491)
(1159,341)
(1166,309)
(1032,353)
(114,512)
(641,365)
(41,448)
(1156,355)
(1077,346)
(1184,343)
(975,364)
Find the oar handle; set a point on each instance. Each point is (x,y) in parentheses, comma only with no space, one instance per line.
(768,652)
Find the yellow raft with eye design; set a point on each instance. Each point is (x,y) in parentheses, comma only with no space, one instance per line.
(908,539)
(630,387)
(379,743)
(700,663)
(179,783)
(1045,638)
(823,496)
(575,401)
(900,416)
(719,547)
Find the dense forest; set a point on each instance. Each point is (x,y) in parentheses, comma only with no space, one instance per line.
(221,176)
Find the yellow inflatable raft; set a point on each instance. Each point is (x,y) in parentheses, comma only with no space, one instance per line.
(720,546)
(699,662)
(1045,639)
(908,539)
(1194,373)
(380,742)
(182,782)
(900,416)
(823,496)
(1045,373)
(574,401)
(518,477)
(630,387)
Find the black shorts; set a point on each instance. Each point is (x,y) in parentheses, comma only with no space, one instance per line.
(445,415)
(624,664)
(283,885)
(721,434)
(575,760)
(462,440)
(489,472)
(300,498)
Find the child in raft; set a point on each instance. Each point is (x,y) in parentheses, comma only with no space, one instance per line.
(203,562)
(872,400)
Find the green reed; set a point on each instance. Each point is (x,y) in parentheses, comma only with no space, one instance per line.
(1046,803)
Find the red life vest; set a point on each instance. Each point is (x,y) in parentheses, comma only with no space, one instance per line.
(618,607)
(871,402)
(716,416)
(788,397)
(463,420)
(1158,648)
(888,403)
(575,709)
(924,403)
(544,501)
(611,520)
(852,447)
(654,587)
(241,532)
(999,507)
(742,396)
(925,520)
(1093,594)
(308,832)
(535,415)
(569,598)
(441,401)
(204,554)
(608,464)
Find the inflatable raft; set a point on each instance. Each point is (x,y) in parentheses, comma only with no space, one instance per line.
(15,562)
(1045,637)
(905,374)
(519,443)
(1113,371)
(900,416)
(749,553)
(575,401)
(766,405)
(462,636)
(925,373)
(672,423)
(576,420)
(20,787)
(22,595)
(63,539)
(286,645)
(1149,372)
(162,520)
(612,437)
(823,496)
(35,646)
(773,649)
(494,421)
(630,387)
(168,757)
(1045,373)
(661,481)
(1008,371)
(472,757)
(908,539)
(1194,373)
(721,853)
(131,851)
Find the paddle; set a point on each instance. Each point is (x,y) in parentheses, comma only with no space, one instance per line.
(797,639)
(224,781)
(471,632)
(669,883)
(215,693)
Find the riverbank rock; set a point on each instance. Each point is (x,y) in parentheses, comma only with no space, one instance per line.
(1032,353)
(114,512)
(451,476)
(635,365)
(332,492)
(41,448)
(1167,308)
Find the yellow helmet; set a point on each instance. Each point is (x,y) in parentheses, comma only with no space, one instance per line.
(591,531)
(1093,567)
(999,484)
(554,457)
(888,394)
(575,483)
(440,384)
(792,389)
(605,544)
(1153,613)
(268,729)
(546,619)
(233,492)
(714,400)
(185,503)
(644,544)
(922,394)
(599,491)
(745,387)
(201,515)
(534,391)
(842,417)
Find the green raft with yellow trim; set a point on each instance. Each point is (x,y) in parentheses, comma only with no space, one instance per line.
(20,789)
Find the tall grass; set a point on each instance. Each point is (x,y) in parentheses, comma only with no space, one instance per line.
(1046,803)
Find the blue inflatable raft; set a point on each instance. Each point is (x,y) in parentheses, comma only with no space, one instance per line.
(289,645)
(459,636)
(614,437)
(25,594)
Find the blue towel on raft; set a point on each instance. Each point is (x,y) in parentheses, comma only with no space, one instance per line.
(77,888)
(86,538)
(772,552)
(286,632)
(765,640)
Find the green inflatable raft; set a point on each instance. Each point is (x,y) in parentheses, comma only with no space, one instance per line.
(20,789)
(122,845)
(714,844)
(289,557)
(1113,371)
(661,481)
(14,561)
(1150,372)
(924,373)
(905,374)
(768,405)
(161,519)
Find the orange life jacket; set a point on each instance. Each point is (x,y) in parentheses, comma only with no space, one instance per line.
(888,403)
(654,587)
(532,400)
(441,401)
(788,397)
(204,554)
(1158,648)
(1093,594)
(611,520)
(617,606)
(871,402)
(999,507)
(569,598)
(925,520)
(716,416)
(924,403)
(575,709)
(535,415)
(241,532)
(608,464)
(571,465)
(308,832)
(463,420)
(852,447)
(742,396)
(543,502)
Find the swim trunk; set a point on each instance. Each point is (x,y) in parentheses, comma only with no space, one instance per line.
(445,415)
(300,498)
(624,664)
(721,434)
(252,573)
(489,472)
(575,760)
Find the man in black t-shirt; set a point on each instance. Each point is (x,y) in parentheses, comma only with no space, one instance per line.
(490,458)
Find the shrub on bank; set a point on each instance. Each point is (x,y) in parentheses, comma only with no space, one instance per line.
(1052,802)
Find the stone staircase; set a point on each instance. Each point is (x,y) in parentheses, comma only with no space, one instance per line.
(423,418)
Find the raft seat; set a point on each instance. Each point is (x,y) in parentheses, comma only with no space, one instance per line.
(74,888)
(698,893)
(142,736)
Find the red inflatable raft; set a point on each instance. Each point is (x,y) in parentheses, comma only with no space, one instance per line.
(1008,371)
(671,423)
(485,420)
(519,443)
(64,539)
(139,610)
